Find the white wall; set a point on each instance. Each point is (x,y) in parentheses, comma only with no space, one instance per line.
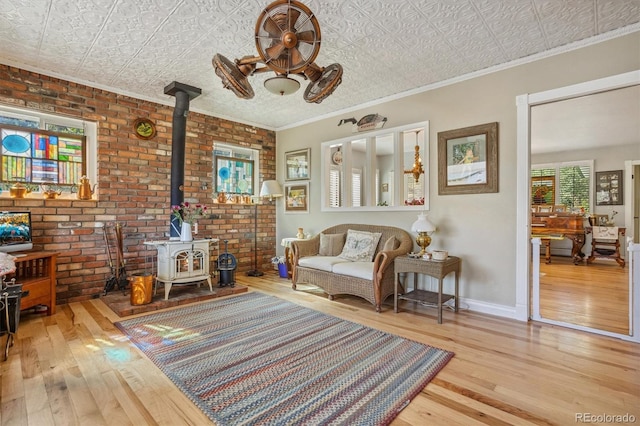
(480,228)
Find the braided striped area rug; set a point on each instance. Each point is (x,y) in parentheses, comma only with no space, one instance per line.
(257,359)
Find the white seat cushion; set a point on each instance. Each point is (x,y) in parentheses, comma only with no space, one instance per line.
(322,263)
(362,270)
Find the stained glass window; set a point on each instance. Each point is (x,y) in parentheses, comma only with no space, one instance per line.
(39,156)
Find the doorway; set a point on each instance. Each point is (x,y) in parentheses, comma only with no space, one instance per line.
(523,267)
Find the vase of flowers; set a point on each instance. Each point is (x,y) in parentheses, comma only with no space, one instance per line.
(187,215)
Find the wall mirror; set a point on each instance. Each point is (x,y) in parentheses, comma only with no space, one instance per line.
(383,170)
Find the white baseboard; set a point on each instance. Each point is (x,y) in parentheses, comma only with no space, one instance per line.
(490,308)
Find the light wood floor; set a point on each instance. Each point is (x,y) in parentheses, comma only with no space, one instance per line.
(76,368)
(595,296)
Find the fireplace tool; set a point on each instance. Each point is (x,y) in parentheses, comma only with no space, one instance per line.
(118,272)
(226,264)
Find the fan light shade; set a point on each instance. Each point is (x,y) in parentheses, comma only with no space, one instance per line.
(271,189)
(281,85)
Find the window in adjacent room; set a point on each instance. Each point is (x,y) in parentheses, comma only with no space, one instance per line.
(565,184)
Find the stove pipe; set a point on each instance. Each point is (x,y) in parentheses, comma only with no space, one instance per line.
(183,94)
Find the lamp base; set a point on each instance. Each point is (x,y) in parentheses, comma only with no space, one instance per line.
(255,273)
(423,240)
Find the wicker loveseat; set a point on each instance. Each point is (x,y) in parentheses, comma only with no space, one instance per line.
(371,280)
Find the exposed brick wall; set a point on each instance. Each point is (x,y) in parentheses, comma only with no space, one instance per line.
(134,183)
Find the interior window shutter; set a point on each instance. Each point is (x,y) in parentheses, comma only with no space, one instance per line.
(334,188)
(356,184)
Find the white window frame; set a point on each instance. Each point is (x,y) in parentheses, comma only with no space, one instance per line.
(231,150)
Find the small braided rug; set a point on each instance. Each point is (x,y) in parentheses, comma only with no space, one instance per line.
(257,359)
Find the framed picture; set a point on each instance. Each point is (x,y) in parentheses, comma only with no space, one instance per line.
(296,198)
(609,188)
(468,160)
(298,164)
(234,175)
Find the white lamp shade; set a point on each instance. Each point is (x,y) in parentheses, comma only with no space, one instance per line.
(423,224)
(271,189)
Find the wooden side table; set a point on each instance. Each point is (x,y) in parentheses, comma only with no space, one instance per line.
(433,268)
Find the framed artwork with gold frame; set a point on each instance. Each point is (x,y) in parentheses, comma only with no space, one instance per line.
(296,197)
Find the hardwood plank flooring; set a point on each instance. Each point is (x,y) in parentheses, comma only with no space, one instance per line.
(595,296)
(76,368)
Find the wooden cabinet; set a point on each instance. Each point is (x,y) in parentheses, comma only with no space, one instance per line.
(36,271)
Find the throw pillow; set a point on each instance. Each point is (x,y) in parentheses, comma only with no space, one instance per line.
(391,244)
(331,244)
(360,246)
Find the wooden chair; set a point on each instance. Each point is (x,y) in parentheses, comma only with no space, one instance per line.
(605,243)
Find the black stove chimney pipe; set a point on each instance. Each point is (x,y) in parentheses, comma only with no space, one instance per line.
(183,94)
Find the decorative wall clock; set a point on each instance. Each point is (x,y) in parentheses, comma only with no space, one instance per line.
(144,128)
(337,157)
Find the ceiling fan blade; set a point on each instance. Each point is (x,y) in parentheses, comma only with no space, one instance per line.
(294,14)
(296,58)
(275,50)
(272,27)
(307,36)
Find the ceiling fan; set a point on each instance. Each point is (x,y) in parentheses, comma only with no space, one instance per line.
(287,36)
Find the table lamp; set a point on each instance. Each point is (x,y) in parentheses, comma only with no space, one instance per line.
(270,189)
(423,227)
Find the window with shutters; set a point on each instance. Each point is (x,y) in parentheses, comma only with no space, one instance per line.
(334,187)
(356,187)
(563,184)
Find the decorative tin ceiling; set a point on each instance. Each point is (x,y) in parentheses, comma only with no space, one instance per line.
(387,48)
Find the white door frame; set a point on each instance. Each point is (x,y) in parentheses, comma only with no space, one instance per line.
(523,190)
(629,197)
